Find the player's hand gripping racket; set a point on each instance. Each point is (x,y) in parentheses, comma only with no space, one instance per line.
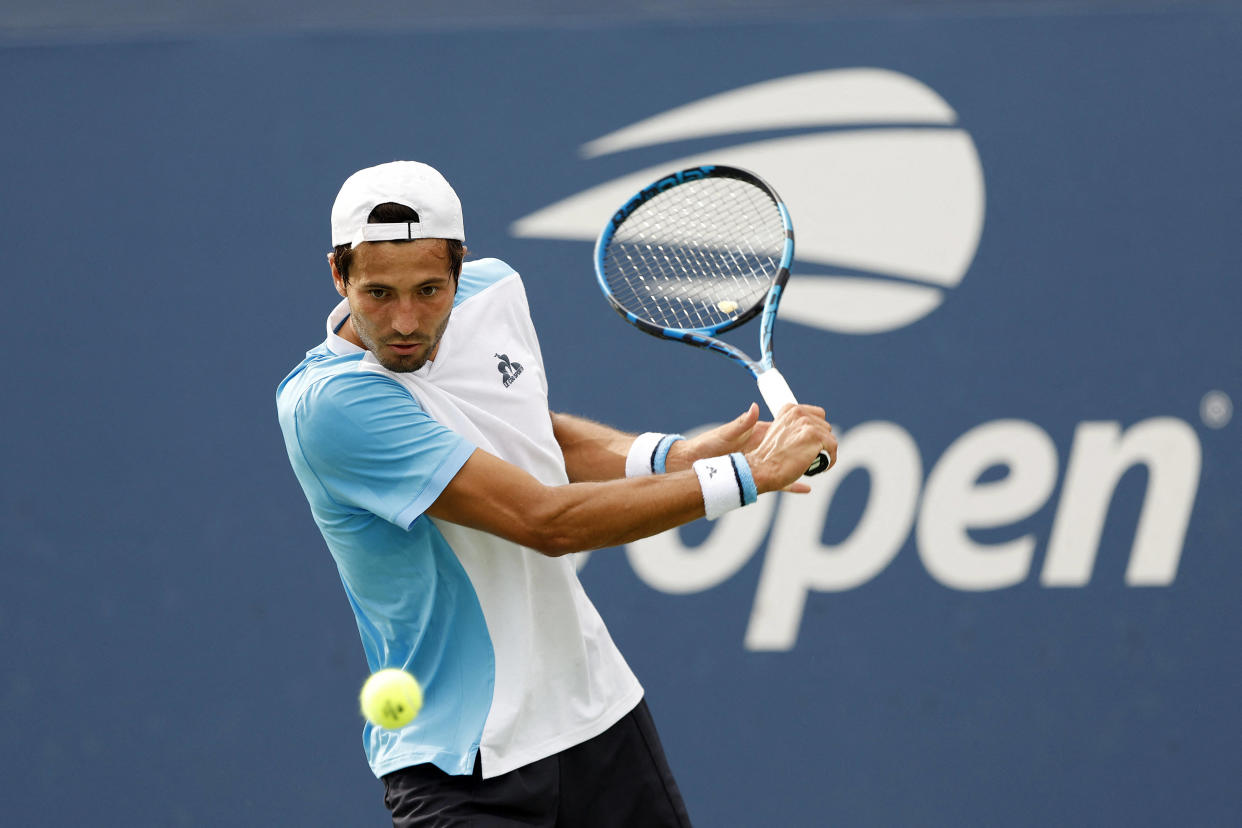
(698,253)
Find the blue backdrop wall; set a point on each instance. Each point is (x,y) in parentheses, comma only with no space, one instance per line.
(1017,294)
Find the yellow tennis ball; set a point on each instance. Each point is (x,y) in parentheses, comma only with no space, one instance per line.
(726,306)
(391,698)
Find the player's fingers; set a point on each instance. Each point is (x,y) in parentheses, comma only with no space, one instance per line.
(797,488)
(814,411)
(830,446)
(809,412)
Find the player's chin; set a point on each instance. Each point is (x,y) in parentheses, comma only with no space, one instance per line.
(399,364)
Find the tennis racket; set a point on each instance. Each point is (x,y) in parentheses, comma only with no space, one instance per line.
(698,253)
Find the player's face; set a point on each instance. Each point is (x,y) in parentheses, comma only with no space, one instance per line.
(400,297)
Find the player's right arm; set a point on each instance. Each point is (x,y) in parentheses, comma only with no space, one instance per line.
(490,494)
(372,449)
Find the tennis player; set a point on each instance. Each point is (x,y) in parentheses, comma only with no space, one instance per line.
(451,498)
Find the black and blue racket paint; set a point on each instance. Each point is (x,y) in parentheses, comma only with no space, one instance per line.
(698,253)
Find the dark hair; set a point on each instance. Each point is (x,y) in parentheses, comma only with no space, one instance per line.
(391,213)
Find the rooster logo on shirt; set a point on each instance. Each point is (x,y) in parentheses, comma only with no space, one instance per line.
(509,371)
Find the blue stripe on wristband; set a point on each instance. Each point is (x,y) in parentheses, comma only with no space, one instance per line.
(660,456)
(745,480)
(642,451)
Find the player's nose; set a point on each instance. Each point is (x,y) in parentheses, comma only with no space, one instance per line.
(405,319)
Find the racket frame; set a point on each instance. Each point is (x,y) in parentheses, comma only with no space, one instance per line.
(772,385)
(705,337)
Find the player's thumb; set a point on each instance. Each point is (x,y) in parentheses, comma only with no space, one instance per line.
(743,424)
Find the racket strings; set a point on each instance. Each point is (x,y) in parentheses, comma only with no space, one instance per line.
(670,266)
(697,255)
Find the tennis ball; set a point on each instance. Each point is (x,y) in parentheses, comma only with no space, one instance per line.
(391,698)
(726,306)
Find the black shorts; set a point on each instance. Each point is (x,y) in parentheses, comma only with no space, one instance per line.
(620,778)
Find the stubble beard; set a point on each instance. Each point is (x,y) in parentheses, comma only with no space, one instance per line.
(401,364)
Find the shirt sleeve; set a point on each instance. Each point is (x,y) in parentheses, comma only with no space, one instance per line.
(373,447)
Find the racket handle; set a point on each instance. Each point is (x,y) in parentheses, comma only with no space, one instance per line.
(776,395)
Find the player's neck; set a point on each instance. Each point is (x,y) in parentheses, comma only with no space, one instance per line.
(348,333)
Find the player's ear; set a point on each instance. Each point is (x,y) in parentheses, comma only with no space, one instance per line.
(336,275)
(465,251)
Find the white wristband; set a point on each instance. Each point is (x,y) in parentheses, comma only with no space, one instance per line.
(648,453)
(726,482)
(638,461)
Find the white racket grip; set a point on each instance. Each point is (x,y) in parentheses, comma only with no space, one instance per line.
(776,392)
(776,395)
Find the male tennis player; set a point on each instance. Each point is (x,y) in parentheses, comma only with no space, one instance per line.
(449,496)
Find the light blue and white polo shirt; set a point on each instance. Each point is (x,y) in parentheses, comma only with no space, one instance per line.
(514,660)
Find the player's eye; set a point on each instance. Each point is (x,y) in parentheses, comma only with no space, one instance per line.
(377,293)
(430,290)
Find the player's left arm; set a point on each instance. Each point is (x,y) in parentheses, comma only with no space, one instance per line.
(594,451)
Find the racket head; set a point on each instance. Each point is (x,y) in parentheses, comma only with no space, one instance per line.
(696,253)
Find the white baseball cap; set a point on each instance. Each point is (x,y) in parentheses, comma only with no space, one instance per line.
(413,184)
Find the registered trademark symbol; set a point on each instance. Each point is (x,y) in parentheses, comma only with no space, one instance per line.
(1216,409)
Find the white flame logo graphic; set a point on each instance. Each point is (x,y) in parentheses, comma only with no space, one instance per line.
(887,205)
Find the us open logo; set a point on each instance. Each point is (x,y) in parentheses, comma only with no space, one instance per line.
(887,198)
